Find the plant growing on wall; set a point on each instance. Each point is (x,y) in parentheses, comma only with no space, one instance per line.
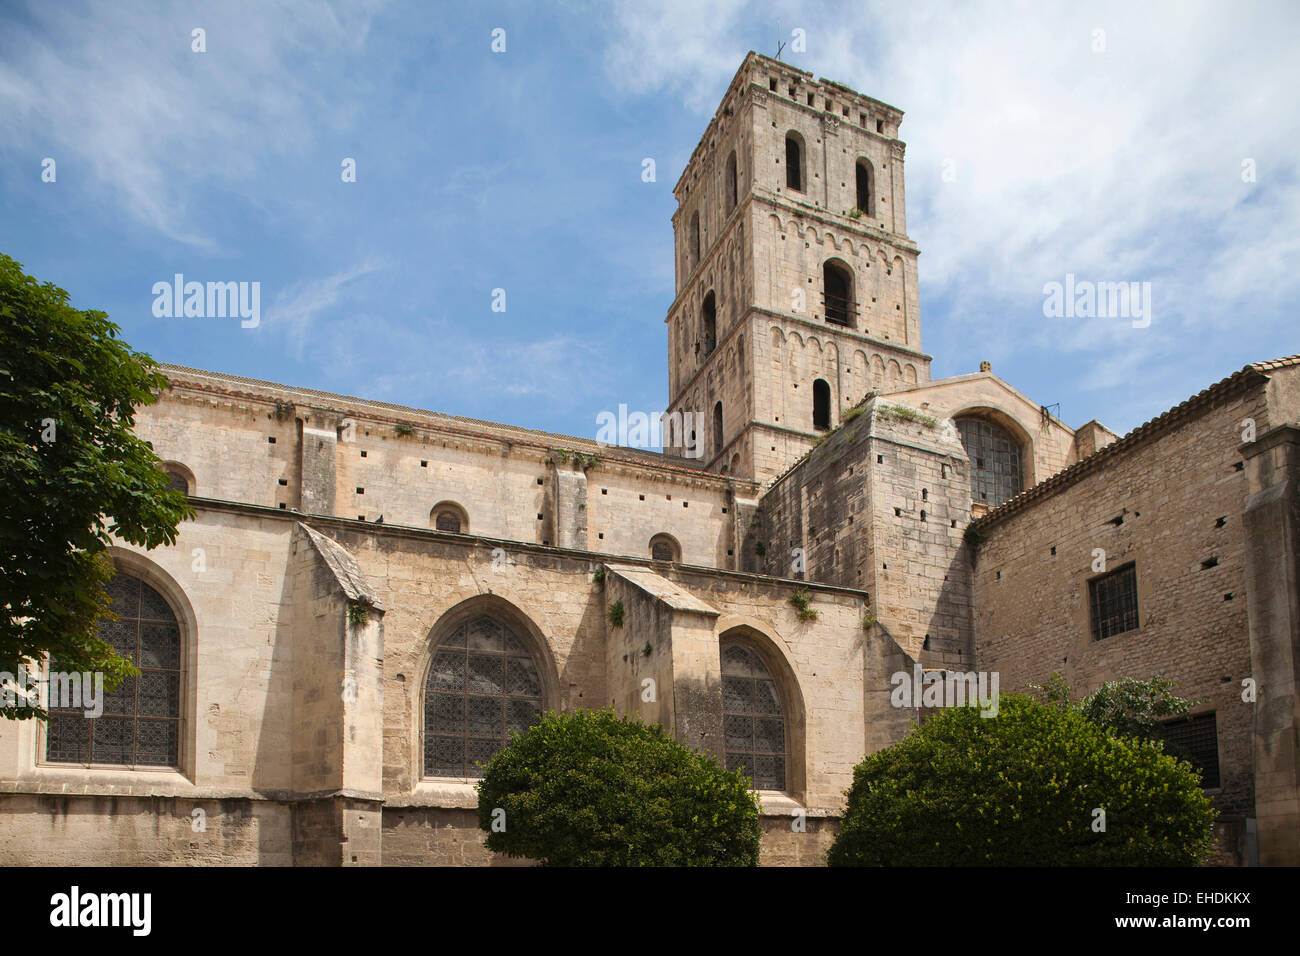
(358,613)
(1037,785)
(802,603)
(592,788)
(403,430)
(901,413)
(616,614)
(283,410)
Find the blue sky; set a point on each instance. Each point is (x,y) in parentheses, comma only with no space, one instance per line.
(522,171)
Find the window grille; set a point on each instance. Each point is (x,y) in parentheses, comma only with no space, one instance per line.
(754,735)
(483,684)
(1113,598)
(140,725)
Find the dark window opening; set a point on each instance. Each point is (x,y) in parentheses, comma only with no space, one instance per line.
(866,192)
(176,481)
(709,319)
(733,191)
(793,164)
(821,405)
(1196,741)
(446,521)
(717,428)
(1114,601)
(664,548)
(695,239)
(837,294)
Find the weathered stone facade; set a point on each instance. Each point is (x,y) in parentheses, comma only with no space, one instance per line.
(338,542)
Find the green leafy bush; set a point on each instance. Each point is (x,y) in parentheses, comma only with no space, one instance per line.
(1134,708)
(1020,789)
(594,789)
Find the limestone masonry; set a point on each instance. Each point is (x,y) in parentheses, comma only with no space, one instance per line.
(372,597)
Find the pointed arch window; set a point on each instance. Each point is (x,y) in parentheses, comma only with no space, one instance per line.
(483,683)
(140,723)
(754,724)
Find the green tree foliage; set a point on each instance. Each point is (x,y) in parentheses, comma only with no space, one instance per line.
(1134,708)
(594,789)
(1022,789)
(73,475)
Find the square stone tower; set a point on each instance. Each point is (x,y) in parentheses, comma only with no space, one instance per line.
(796,281)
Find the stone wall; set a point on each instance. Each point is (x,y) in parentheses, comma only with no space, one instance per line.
(1172,506)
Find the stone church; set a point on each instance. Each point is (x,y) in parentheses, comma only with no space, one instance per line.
(372,597)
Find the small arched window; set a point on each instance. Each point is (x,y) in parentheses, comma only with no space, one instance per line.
(709,321)
(483,683)
(837,293)
(733,191)
(754,734)
(821,405)
(664,547)
(140,723)
(179,477)
(449,516)
(793,162)
(995,474)
(695,239)
(866,191)
(717,428)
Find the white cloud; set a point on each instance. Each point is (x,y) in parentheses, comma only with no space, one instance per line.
(117,90)
(1116,165)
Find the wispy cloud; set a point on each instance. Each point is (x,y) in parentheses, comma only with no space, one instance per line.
(296,311)
(119,91)
(1107,141)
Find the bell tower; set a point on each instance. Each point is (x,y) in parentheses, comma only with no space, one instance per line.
(796,281)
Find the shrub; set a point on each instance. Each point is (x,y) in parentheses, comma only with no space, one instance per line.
(1134,708)
(1020,789)
(594,789)
(802,603)
(616,614)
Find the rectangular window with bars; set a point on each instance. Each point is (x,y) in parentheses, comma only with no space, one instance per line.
(1114,602)
(1197,741)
